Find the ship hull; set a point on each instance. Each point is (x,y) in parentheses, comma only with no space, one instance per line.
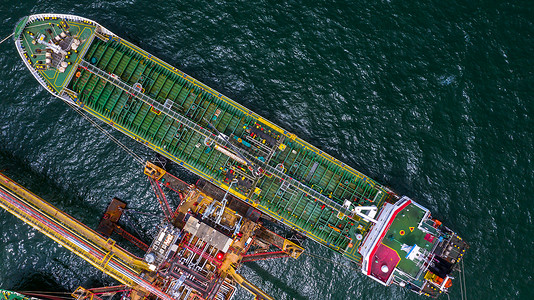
(98,73)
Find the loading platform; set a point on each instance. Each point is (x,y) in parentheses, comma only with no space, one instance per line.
(194,255)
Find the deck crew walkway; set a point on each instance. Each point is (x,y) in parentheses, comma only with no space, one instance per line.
(210,135)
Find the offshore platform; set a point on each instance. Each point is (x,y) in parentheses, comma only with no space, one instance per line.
(391,238)
(194,255)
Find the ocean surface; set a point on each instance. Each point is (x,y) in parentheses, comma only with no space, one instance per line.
(434,99)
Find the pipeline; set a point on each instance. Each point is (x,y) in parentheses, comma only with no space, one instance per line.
(52,222)
(230,154)
(74,224)
(259,294)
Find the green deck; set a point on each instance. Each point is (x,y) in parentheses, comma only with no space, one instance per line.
(403,230)
(55,80)
(9,295)
(300,185)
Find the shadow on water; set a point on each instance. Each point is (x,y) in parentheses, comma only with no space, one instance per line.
(45,282)
(64,196)
(291,292)
(38,282)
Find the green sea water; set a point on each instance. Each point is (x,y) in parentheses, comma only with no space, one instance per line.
(431,98)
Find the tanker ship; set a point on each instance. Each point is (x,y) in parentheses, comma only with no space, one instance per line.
(391,238)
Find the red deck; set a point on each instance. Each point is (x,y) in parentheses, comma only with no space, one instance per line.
(384,256)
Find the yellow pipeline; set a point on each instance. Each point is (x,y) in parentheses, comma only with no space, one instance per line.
(81,229)
(256,291)
(62,241)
